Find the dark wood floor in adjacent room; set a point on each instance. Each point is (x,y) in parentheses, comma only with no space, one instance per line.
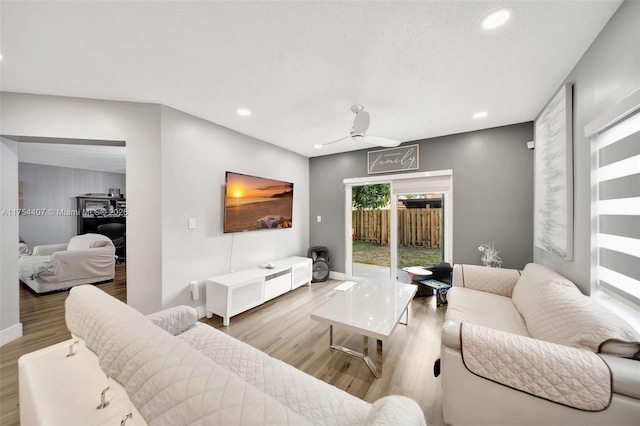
(283,329)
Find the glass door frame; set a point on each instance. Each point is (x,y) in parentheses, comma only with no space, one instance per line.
(440,181)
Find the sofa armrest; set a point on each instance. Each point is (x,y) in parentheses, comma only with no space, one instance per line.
(395,410)
(451,334)
(175,320)
(626,375)
(49,249)
(499,281)
(574,377)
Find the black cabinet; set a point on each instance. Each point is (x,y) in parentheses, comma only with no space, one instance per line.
(96,211)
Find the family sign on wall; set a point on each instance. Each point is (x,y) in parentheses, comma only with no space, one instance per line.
(398,159)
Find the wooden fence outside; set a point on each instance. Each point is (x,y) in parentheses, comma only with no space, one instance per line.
(416,227)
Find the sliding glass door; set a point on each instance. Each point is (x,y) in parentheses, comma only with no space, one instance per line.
(412,229)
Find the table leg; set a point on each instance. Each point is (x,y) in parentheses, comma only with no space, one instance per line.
(404,318)
(374,366)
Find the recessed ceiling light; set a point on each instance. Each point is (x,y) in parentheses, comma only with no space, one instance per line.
(244,112)
(495,19)
(481,114)
(317,146)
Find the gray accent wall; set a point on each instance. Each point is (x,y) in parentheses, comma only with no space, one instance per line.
(608,72)
(492,193)
(54,190)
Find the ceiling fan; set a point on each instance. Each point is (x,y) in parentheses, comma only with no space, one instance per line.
(359,130)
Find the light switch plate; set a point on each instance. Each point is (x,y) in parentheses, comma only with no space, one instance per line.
(192,223)
(319,219)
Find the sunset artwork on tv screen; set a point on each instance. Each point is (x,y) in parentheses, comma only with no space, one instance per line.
(254,203)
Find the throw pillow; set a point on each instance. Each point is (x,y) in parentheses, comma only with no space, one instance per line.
(175,320)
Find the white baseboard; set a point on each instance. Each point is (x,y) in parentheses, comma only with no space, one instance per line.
(202,311)
(10,334)
(337,275)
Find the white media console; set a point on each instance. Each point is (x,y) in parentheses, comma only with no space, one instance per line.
(232,294)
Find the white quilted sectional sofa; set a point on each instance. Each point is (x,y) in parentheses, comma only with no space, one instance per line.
(528,348)
(177,371)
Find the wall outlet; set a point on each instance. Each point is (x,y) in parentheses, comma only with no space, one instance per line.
(195,290)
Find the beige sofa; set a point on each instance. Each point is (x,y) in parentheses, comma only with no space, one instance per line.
(172,370)
(528,348)
(85,259)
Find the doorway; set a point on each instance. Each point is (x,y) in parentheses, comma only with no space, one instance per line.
(420,230)
(429,186)
(371,230)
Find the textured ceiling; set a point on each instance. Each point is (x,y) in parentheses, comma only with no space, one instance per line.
(420,68)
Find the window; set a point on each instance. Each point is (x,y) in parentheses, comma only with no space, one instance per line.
(616,202)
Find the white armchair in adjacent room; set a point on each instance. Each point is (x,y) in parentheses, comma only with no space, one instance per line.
(88,258)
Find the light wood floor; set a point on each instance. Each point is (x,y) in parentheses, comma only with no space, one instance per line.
(283,329)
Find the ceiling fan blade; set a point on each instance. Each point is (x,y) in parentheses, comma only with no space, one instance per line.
(375,140)
(360,123)
(336,141)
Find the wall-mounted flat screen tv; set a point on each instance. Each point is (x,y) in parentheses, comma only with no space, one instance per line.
(254,203)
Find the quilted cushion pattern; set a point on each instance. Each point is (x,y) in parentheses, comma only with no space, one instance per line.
(558,373)
(492,280)
(392,410)
(175,320)
(558,312)
(306,395)
(169,382)
(529,286)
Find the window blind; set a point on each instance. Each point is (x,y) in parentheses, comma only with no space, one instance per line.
(617,179)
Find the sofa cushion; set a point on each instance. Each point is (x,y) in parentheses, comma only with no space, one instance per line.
(533,277)
(486,309)
(168,381)
(558,312)
(304,394)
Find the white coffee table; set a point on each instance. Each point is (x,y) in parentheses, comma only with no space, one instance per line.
(370,308)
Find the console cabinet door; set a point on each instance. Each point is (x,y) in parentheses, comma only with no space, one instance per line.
(246,296)
(301,274)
